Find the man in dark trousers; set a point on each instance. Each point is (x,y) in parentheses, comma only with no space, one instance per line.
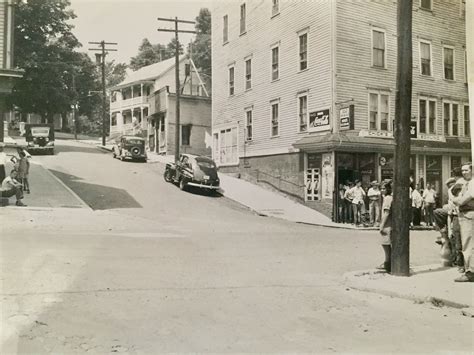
(11,187)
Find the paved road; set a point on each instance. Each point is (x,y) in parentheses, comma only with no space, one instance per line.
(154,269)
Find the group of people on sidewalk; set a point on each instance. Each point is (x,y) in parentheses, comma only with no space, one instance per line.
(455,222)
(361,206)
(17,183)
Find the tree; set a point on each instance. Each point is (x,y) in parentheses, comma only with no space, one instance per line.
(114,73)
(44,48)
(153,53)
(201,46)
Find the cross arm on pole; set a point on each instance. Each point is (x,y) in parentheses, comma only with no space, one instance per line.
(176,20)
(174,31)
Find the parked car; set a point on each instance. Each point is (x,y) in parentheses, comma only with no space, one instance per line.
(39,137)
(192,170)
(130,147)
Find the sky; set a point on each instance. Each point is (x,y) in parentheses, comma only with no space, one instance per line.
(129,22)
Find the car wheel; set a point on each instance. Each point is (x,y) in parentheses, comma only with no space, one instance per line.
(182,184)
(167,175)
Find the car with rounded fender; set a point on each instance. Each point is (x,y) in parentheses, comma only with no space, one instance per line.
(130,147)
(195,171)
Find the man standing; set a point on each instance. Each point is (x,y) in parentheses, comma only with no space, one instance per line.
(416,203)
(374,203)
(429,196)
(11,187)
(358,205)
(465,201)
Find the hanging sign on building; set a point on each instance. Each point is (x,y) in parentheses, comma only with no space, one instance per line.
(346,117)
(319,121)
(413,130)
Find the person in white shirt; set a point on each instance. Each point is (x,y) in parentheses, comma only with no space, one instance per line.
(11,187)
(416,203)
(374,203)
(358,205)
(465,203)
(429,196)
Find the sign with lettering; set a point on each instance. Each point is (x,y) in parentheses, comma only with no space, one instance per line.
(413,130)
(346,117)
(319,121)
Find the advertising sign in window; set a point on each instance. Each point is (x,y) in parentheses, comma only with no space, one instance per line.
(319,121)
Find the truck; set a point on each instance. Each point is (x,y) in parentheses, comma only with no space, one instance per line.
(40,137)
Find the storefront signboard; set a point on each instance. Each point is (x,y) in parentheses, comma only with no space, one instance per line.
(319,121)
(327,178)
(346,117)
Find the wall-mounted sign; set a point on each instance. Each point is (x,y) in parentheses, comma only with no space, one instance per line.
(346,117)
(378,134)
(413,130)
(319,121)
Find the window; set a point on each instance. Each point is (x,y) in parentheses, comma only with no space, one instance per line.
(231,81)
(425,4)
(186,134)
(303,51)
(275,120)
(378,48)
(378,111)
(243,16)
(275,7)
(275,63)
(113,120)
(248,74)
(427,116)
(467,126)
(450,119)
(425,58)
(248,125)
(225,34)
(303,113)
(448,62)
(227,152)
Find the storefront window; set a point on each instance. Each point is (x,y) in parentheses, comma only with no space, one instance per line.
(434,171)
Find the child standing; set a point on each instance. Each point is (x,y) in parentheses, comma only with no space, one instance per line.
(24,171)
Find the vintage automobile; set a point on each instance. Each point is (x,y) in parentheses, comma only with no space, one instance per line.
(130,147)
(39,138)
(192,170)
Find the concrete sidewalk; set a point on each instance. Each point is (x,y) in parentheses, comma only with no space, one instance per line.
(426,284)
(47,191)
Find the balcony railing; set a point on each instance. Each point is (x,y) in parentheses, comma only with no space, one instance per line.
(135,101)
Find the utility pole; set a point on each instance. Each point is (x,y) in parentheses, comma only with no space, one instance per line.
(401,184)
(470,65)
(178,94)
(101,57)
(74,104)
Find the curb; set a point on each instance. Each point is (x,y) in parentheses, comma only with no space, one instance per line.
(84,205)
(348,280)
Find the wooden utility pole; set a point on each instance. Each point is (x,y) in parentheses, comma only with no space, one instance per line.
(178,92)
(470,66)
(104,52)
(401,184)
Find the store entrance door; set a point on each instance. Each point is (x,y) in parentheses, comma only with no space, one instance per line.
(312,184)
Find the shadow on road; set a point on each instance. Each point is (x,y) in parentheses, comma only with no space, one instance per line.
(98,197)
(78,149)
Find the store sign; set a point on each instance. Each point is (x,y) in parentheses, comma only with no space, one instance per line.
(346,117)
(319,121)
(378,134)
(413,130)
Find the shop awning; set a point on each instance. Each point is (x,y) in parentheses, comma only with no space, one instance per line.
(353,143)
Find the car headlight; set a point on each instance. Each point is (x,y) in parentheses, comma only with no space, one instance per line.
(50,144)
